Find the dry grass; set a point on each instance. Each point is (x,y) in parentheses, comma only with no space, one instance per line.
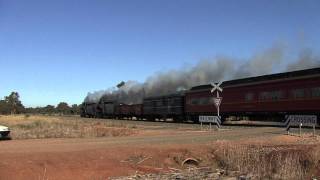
(31,127)
(269,161)
(241,160)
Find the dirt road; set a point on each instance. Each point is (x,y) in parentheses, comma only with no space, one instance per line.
(99,158)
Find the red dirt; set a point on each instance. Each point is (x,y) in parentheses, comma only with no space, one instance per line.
(99,158)
(61,161)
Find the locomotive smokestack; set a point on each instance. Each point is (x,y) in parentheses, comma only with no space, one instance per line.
(122,83)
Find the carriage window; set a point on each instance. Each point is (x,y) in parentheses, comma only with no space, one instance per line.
(264,95)
(315,92)
(207,100)
(298,93)
(276,95)
(204,101)
(271,95)
(201,101)
(194,101)
(211,100)
(249,96)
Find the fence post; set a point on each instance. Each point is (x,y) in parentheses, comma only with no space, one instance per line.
(300,129)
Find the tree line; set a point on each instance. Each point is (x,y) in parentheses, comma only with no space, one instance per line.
(12,105)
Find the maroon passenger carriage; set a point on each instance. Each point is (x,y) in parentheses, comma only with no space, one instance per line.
(263,97)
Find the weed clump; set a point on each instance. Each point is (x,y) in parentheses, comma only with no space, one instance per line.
(270,162)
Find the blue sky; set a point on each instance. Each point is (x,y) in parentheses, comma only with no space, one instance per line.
(52,51)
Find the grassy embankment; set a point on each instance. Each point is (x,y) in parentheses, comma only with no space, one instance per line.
(36,126)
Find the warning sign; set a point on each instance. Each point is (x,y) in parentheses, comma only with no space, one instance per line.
(217,101)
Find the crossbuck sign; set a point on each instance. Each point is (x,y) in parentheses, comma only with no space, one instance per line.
(216,86)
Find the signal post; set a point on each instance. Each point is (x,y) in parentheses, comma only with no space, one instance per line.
(217,101)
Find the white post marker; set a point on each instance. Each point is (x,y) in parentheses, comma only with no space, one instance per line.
(217,102)
(300,125)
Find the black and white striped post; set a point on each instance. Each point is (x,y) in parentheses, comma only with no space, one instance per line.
(210,119)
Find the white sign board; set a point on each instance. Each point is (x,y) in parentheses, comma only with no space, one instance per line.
(210,119)
(303,120)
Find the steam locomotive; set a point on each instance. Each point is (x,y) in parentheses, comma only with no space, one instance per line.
(262,97)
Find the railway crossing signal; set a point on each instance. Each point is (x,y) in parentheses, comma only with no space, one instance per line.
(217,100)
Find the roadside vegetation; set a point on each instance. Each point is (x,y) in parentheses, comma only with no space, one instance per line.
(40,126)
(269,161)
(262,159)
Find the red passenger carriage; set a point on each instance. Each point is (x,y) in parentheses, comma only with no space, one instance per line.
(273,96)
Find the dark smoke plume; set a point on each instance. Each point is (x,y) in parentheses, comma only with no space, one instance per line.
(206,71)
